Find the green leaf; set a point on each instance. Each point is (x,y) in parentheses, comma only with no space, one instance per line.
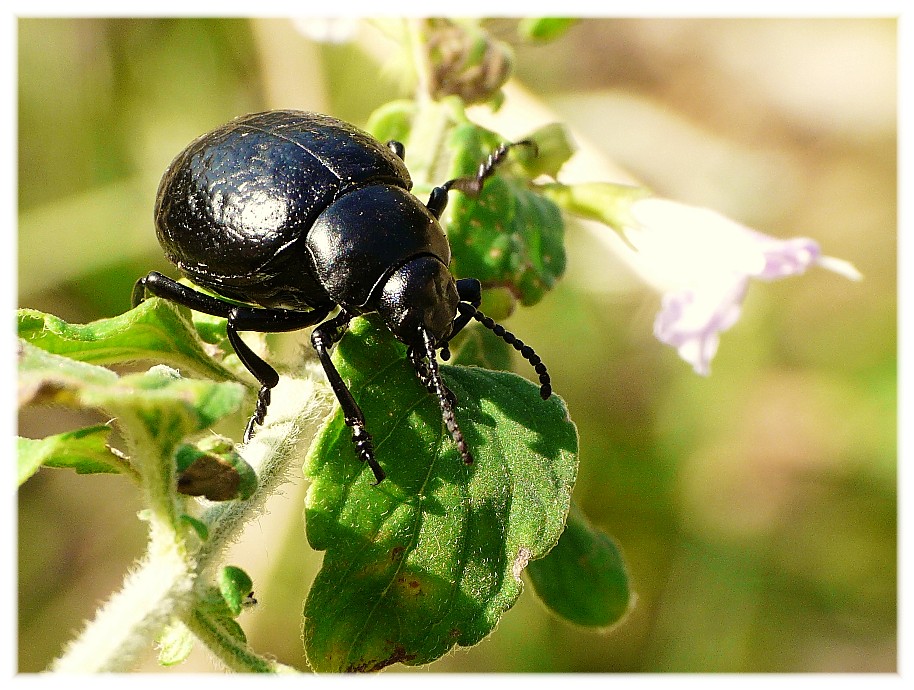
(214,609)
(156,330)
(431,557)
(554,147)
(198,526)
(84,450)
(167,406)
(544,28)
(392,121)
(509,235)
(583,579)
(606,202)
(46,378)
(235,585)
(212,468)
(175,644)
(479,348)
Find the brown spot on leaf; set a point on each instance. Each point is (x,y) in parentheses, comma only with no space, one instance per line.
(520,562)
(397,656)
(211,477)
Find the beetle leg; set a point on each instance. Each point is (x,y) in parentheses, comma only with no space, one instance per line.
(263,321)
(322,339)
(238,319)
(425,376)
(263,372)
(427,368)
(437,201)
(162,286)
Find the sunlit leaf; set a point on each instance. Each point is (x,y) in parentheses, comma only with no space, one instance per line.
(84,450)
(166,406)
(214,469)
(175,644)
(235,586)
(432,557)
(156,330)
(583,579)
(544,28)
(508,235)
(606,202)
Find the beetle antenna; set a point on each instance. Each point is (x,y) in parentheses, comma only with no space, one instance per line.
(525,350)
(431,377)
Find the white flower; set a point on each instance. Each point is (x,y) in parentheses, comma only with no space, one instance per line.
(702,262)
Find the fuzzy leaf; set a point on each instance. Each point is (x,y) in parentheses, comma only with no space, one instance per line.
(583,579)
(167,406)
(606,202)
(235,586)
(156,330)
(212,468)
(544,28)
(84,450)
(431,557)
(392,121)
(509,235)
(175,644)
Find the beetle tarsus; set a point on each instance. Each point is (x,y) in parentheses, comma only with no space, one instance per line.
(260,413)
(322,339)
(427,370)
(364,448)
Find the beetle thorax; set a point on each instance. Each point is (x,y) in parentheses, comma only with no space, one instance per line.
(364,236)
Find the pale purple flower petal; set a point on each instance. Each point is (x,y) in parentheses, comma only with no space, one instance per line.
(702,262)
(691,320)
(786,257)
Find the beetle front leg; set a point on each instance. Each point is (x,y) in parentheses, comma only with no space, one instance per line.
(322,339)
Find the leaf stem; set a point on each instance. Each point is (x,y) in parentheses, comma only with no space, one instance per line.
(162,587)
(123,628)
(228,648)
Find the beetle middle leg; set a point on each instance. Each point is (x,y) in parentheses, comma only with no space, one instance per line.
(263,321)
(323,338)
(239,318)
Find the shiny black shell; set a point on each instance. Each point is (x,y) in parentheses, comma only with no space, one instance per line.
(292,209)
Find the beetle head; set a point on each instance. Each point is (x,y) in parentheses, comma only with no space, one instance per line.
(420,294)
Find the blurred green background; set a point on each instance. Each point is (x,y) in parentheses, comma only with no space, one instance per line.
(756,508)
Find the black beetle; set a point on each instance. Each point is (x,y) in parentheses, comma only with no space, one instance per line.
(286,215)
